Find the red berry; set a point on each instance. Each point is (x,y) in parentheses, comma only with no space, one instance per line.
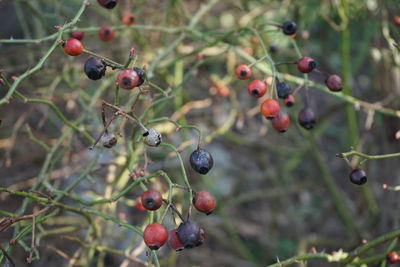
(256,88)
(151,199)
(334,83)
(155,235)
(358,177)
(243,72)
(108,3)
(73,47)
(128,79)
(270,108)
(204,202)
(77,35)
(392,257)
(128,19)
(306,64)
(174,241)
(106,33)
(289,101)
(138,204)
(306,118)
(281,122)
(397,20)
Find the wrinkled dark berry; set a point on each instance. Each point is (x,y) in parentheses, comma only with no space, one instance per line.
(201,161)
(94,68)
(190,234)
(283,89)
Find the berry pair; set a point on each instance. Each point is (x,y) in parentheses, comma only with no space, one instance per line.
(131,78)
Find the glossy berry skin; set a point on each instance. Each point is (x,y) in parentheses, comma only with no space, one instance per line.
(283,90)
(155,235)
(289,27)
(77,35)
(306,118)
(140,74)
(358,177)
(243,72)
(73,47)
(94,68)
(257,88)
(281,122)
(109,4)
(392,257)
(306,64)
(334,83)
(106,33)
(174,241)
(201,161)
(151,199)
(190,234)
(203,201)
(128,79)
(289,101)
(269,108)
(128,19)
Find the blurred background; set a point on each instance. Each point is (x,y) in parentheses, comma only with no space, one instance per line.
(277,194)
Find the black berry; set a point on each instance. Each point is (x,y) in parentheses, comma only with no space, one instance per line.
(190,234)
(358,176)
(283,89)
(140,74)
(201,161)
(94,68)
(306,118)
(289,28)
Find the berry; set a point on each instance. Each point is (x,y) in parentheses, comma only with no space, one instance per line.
(73,47)
(77,35)
(358,176)
(174,241)
(108,140)
(243,72)
(94,68)
(108,3)
(306,64)
(140,74)
(190,234)
(155,235)
(283,89)
(256,88)
(289,101)
(392,257)
(269,108)
(306,118)
(152,137)
(289,27)
(128,79)
(204,202)
(138,204)
(151,199)
(281,122)
(334,83)
(397,20)
(128,19)
(106,33)
(201,161)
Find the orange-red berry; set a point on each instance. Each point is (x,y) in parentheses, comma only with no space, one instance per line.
(138,204)
(269,108)
(243,72)
(257,88)
(289,101)
(151,199)
(281,122)
(77,35)
(73,47)
(106,33)
(392,257)
(306,64)
(174,241)
(155,235)
(128,79)
(334,83)
(128,19)
(203,201)
(397,20)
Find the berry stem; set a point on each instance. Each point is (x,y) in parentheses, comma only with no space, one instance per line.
(107,61)
(366,156)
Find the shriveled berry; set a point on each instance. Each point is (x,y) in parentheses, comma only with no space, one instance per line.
(128,79)
(128,19)
(73,47)
(269,108)
(109,4)
(151,199)
(283,90)
(174,241)
(77,35)
(94,68)
(289,27)
(140,74)
(306,118)
(190,234)
(334,83)
(152,137)
(358,176)
(108,140)
(243,72)
(203,201)
(201,161)
(281,122)
(106,33)
(257,88)
(392,257)
(155,235)
(289,101)
(306,64)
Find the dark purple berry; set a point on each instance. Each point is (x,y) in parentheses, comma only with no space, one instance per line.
(201,161)
(94,68)
(289,28)
(306,118)
(140,74)
(190,234)
(283,89)
(358,176)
